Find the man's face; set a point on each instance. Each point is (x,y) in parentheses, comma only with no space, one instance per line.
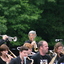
(32,36)
(24,53)
(45,47)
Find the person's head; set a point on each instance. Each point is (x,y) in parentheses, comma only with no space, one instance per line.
(58,47)
(23,51)
(43,47)
(29,46)
(4,49)
(32,35)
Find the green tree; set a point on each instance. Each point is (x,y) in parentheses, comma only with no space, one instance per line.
(19,15)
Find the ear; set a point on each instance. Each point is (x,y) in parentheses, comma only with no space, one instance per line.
(41,47)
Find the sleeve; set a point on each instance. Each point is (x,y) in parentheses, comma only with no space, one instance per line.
(2,41)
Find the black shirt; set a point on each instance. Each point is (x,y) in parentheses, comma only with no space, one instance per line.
(2,62)
(28,41)
(37,58)
(61,60)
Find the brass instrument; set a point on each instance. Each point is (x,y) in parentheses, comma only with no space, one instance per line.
(35,47)
(53,59)
(31,60)
(27,58)
(12,54)
(10,38)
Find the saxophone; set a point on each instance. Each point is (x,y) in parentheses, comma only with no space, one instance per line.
(31,60)
(53,59)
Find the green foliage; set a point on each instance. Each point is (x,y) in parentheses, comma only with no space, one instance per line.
(18,17)
(19,14)
(3,27)
(37,39)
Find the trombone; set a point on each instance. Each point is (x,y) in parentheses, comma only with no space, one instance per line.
(10,38)
(12,53)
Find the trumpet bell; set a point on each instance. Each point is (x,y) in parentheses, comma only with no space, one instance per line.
(15,39)
(12,39)
(36,49)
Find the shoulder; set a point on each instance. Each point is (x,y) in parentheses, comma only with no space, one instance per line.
(14,60)
(48,56)
(36,55)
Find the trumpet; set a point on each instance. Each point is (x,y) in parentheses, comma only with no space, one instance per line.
(10,38)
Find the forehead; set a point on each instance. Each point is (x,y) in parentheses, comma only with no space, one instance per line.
(60,47)
(45,43)
(24,51)
(32,35)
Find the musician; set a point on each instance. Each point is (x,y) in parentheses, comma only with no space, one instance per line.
(41,56)
(32,35)
(4,56)
(58,48)
(23,53)
(30,53)
(4,39)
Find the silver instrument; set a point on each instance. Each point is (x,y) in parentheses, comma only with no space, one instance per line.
(10,38)
(18,48)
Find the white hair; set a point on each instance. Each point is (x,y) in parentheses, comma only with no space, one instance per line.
(32,32)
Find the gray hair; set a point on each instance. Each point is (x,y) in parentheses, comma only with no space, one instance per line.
(41,43)
(32,32)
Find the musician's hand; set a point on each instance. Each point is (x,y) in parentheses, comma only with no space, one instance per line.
(4,37)
(9,58)
(33,43)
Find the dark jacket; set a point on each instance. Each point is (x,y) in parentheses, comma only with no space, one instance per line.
(2,41)
(15,61)
(18,61)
